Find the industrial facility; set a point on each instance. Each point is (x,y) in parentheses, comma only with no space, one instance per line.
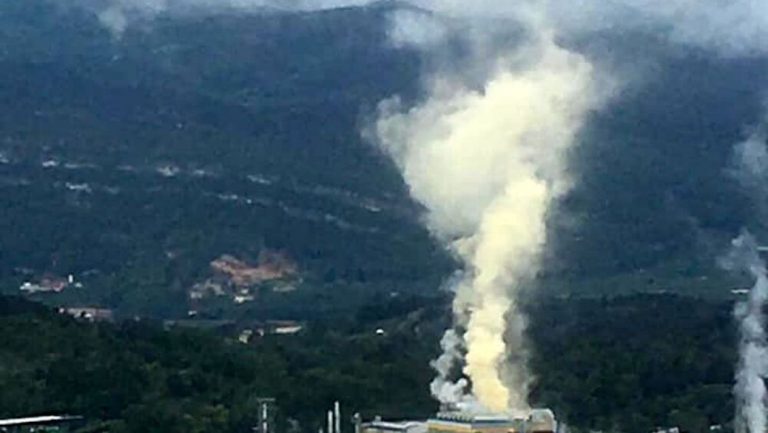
(45,423)
(538,421)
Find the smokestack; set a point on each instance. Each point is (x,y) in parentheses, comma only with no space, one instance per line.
(358,421)
(264,414)
(330,421)
(264,418)
(337,416)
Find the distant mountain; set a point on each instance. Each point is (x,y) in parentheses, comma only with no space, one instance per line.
(652,170)
(132,163)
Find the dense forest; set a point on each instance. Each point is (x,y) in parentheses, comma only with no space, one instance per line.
(627,364)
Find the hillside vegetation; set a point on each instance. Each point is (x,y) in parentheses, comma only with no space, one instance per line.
(134,163)
(623,365)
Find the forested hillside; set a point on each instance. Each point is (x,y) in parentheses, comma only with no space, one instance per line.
(133,163)
(626,364)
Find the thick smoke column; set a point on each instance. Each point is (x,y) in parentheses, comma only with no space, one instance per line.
(488,164)
(750,390)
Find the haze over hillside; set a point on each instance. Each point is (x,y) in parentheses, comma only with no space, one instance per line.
(134,162)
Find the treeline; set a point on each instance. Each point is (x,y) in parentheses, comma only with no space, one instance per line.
(620,365)
(137,377)
(637,363)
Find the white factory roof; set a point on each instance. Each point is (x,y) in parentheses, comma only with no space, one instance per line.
(35,420)
(465,417)
(397,425)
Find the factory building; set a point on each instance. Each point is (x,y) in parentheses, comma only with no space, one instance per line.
(461,422)
(44,423)
(379,426)
(538,421)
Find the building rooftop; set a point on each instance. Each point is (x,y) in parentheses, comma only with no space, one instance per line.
(468,417)
(394,425)
(46,419)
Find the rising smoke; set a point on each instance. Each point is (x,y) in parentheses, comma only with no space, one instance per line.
(442,387)
(749,390)
(751,165)
(488,163)
(751,169)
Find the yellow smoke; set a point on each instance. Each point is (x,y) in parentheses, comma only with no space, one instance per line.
(487,164)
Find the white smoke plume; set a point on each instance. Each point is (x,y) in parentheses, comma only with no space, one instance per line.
(487,163)
(751,162)
(413,28)
(750,168)
(442,387)
(750,389)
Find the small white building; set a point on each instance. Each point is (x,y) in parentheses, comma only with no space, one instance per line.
(379,426)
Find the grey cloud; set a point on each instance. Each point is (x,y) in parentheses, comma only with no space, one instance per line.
(733,28)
